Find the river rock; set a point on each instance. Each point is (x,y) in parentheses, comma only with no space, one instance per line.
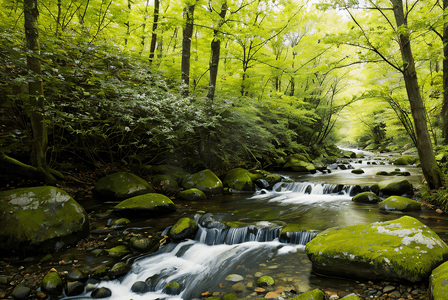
(122,185)
(101,292)
(172,288)
(396,188)
(265,281)
(21,292)
(119,269)
(234,277)
(165,183)
(438,282)
(351,297)
(74,288)
(139,287)
(173,171)
(118,251)
(148,203)
(240,179)
(145,245)
(40,219)
(299,163)
(192,195)
(405,160)
(183,229)
(401,249)
(311,295)
(75,274)
(52,284)
(397,203)
(366,197)
(358,171)
(205,181)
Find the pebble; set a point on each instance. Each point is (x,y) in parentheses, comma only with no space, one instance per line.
(234,278)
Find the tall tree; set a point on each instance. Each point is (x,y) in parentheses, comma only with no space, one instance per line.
(186,45)
(155,22)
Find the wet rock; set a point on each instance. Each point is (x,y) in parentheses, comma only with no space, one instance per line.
(21,292)
(388,288)
(396,188)
(299,163)
(144,204)
(184,228)
(52,284)
(205,181)
(402,249)
(311,295)
(240,179)
(231,296)
(405,160)
(77,275)
(375,188)
(165,183)
(74,288)
(366,197)
(40,219)
(118,251)
(239,287)
(145,245)
(172,288)
(358,171)
(265,281)
(121,222)
(234,277)
(351,297)
(192,195)
(139,287)
(397,203)
(119,269)
(101,292)
(122,185)
(438,282)
(151,282)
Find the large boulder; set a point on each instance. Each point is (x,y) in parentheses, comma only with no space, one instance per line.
(40,219)
(405,160)
(438,282)
(311,295)
(205,181)
(148,203)
(397,203)
(183,229)
(240,179)
(165,183)
(401,249)
(402,187)
(366,197)
(122,185)
(299,163)
(192,195)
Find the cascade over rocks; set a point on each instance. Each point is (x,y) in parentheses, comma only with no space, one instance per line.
(40,219)
(205,181)
(122,185)
(401,249)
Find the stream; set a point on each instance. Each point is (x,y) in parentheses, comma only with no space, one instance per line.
(314,202)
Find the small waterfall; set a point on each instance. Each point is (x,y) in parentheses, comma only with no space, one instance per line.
(317,188)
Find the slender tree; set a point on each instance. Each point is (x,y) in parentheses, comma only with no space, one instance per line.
(186,45)
(155,22)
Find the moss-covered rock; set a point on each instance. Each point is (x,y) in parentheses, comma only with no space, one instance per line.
(396,188)
(405,160)
(351,297)
(240,179)
(397,203)
(145,245)
(205,181)
(183,229)
(291,232)
(348,154)
(438,282)
(148,203)
(118,251)
(366,197)
(358,171)
(122,185)
(401,249)
(173,288)
(265,281)
(192,195)
(311,295)
(165,183)
(119,269)
(52,284)
(299,163)
(40,219)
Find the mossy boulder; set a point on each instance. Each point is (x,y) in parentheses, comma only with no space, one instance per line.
(438,282)
(192,195)
(401,249)
(348,154)
(40,219)
(118,251)
(265,281)
(119,269)
(172,288)
(405,160)
(122,185)
(396,188)
(205,181)
(311,295)
(145,245)
(299,163)
(144,204)
(240,179)
(52,284)
(358,171)
(183,229)
(366,197)
(397,203)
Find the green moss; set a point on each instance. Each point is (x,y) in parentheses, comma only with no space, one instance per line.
(265,281)
(118,251)
(239,179)
(396,187)
(151,202)
(439,282)
(122,185)
(405,160)
(351,297)
(397,203)
(358,171)
(205,181)
(311,295)
(192,195)
(292,228)
(394,250)
(299,163)
(182,225)
(231,296)
(366,197)
(52,283)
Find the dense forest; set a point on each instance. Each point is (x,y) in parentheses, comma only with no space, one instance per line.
(218,84)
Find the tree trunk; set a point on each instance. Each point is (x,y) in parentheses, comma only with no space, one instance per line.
(444,112)
(431,170)
(215,49)
(186,47)
(154,28)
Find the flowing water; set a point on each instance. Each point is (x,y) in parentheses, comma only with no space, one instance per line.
(314,202)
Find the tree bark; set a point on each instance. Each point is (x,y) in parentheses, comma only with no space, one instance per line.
(152,48)
(444,111)
(186,47)
(431,170)
(215,49)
